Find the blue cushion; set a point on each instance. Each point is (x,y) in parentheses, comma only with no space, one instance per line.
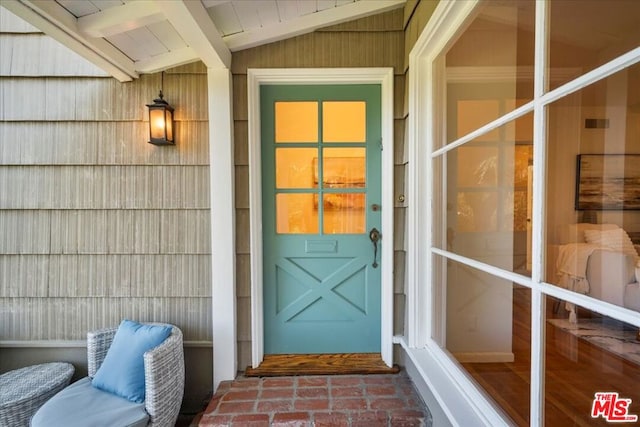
(81,405)
(122,371)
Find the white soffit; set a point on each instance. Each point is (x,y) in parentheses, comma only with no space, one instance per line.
(308,23)
(129,37)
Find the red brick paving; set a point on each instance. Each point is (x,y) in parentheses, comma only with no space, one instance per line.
(317,401)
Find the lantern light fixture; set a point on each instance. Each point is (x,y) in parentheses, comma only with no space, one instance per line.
(161,121)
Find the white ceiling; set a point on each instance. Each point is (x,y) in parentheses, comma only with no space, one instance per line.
(130,37)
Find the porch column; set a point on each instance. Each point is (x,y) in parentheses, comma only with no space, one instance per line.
(223,258)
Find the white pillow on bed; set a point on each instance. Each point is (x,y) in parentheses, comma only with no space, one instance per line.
(617,240)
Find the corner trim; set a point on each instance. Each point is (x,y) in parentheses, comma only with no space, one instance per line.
(223,231)
(445,389)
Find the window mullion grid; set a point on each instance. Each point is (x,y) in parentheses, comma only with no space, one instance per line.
(605,70)
(495,124)
(622,314)
(488,268)
(540,83)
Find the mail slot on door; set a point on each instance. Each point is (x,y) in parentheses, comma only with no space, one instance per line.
(321,246)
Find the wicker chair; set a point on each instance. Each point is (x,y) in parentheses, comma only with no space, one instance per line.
(23,391)
(163,373)
(163,383)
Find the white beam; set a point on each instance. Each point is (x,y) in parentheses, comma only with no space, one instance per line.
(223,250)
(120,19)
(309,23)
(166,60)
(191,20)
(56,22)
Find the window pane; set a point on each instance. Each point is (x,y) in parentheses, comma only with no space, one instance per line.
(594,189)
(490,66)
(488,331)
(297,213)
(344,121)
(585,37)
(594,355)
(296,121)
(488,198)
(344,213)
(344,168)
(295,167)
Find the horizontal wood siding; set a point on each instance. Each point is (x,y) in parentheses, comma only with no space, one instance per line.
(103,143)
(96,224)
(326,49)
(50,52)
(71,318)
(101,99)
(376,41)
(10,23)
(104,187)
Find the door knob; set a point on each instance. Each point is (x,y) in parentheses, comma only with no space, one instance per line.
(374,236)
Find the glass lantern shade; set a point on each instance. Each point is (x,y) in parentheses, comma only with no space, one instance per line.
(160,122)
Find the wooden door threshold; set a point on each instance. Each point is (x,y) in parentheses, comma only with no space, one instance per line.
(275,365)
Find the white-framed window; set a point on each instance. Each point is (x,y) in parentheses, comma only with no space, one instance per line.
(525,199)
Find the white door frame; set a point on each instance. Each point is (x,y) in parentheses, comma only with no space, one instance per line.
(257,77)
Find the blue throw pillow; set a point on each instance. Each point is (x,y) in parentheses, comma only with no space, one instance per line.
(122,372)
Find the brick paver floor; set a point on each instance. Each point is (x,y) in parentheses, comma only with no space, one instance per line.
(333,400)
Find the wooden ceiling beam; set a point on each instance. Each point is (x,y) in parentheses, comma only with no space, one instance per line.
(166,60)
(191,20)
(120,19)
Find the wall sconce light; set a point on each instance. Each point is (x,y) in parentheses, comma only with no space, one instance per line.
(161,121)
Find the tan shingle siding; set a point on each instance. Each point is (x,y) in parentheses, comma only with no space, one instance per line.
(104,187)
(71,318)
(390,21)
(325,49)
(97,224)
(53,58)
(10,23)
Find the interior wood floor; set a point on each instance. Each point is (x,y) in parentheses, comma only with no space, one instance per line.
(575,371)
(321,364)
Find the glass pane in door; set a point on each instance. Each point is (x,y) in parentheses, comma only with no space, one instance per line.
(344,213)
(296,121)
(296,213)
(343,168)
(344,121)
(295,167)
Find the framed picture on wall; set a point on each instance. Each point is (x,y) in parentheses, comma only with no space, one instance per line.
(608,182)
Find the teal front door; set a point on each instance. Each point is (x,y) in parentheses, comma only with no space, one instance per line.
(321,218)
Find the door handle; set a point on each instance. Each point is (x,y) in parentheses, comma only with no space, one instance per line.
(374,236)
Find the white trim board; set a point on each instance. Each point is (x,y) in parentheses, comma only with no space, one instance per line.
(257,77)
(430,369)
(223,231)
